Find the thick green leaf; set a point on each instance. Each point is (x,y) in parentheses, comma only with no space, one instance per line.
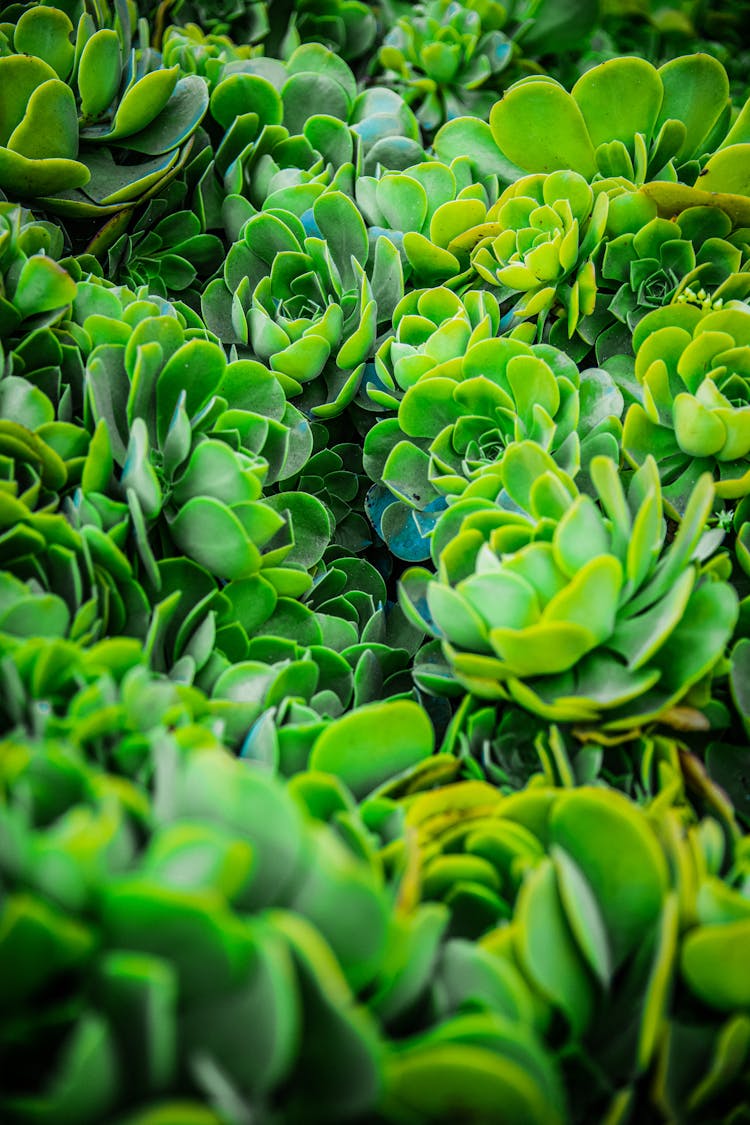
(374,743)
(540,128)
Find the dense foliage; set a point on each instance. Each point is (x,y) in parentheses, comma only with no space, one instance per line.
(374,562)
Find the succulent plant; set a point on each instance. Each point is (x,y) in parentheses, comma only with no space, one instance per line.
(193,438)
(515,872)
(199,908)
(308,93)
(168,249)
(197,52)
(35,290)
(449,57)
(432,329)
(91,127)
(468,396)
(442,54)
(245,22)
(346,27)
(335,474)
(303,302)
(519,574)
(626,118)
(694,415)
(539,240)
(422,208)
(650,266)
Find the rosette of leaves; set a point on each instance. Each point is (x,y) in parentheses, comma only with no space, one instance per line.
(626,118)
(469,396)
(304,303)
(60,578)
(516,749)
(422,209)
(316,89)
(283,649)
(198,52)
(626,981)
(519,576)
(175,929)
(259,165)
(91,123)
(99,698)
(442,54)
(35,290)
(256,163)
(431,328)
(694,417)
(346,27)
(305,660)
(194,440)
(335,474)
(168,249)
(245,22)
(360,621)
(539,240)
(649,267)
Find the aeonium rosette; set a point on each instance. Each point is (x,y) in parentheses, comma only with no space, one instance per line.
(576,611)
(693,365)
(465,396)
(538,242)
(303,303)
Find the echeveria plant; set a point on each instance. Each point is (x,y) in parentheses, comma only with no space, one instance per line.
(469,397)
(443,54)
(539,240)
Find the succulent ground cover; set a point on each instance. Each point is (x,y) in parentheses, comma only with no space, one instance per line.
(374,563)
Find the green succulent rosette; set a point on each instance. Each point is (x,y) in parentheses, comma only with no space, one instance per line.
(572,910)
(59,579)
(191,919)
(423,208)
(432,331)
(90,122)
(655,261)
(187,441)
(347,27)
(670,128)
(168,249)
(694,417)
(578,614)
(449,58)
(313,93)
(35,290)
(442,54)
(304,303)
(272,149)
(246,23)
(204,53)
(335,474)
(539,240)
(464,396)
